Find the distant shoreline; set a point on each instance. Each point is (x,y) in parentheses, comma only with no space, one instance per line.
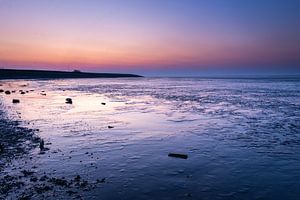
(45,74)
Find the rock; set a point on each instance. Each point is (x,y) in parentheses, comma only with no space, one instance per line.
(103,103)
(42,143)
(7,92)
(59,181)
(69,101)
(22,92)
(33,179)
(188,195)
(44,178)
(177,155)
(43,94)
(15,101)
(101,181)
(27,173)
(84,184)
(110,127)
(77,178)
(43,188)
(1,91)
(1,148)
(70,192)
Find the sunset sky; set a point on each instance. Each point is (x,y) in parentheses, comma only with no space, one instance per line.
(149,36)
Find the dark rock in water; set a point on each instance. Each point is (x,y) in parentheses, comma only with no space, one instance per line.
(1,91)
(77,178)
(59,181)
(103,103)
(44,178)
(14,91)
(33,179)
(43,188)
(27,173)
(101,181)
(110,127)
(1,148)
(177,155)
(84,184)
(70,192)
(69,101)
(43,94)
(22,92)
(16,101)
(7,92)
(42,143)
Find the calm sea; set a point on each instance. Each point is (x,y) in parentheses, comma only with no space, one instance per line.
(242,136)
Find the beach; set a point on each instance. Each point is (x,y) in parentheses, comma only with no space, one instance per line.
(150,138)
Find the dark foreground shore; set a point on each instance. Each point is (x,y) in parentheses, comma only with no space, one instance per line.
(41,74)
(15,141)
(20,176)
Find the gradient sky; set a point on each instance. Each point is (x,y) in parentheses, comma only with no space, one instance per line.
(149,35)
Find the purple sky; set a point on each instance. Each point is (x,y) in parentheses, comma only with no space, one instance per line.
(150,36)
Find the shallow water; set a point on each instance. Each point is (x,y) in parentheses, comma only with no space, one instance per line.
(242,136)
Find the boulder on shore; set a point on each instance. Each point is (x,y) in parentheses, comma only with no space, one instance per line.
(16,101)
(178,155)
(69,101)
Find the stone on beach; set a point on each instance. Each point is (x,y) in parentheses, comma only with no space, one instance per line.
(42,143)
(77,178)
(1,90)
(178,155)
(69,101)
(1,148)
(7,92)
(103,103)
(110,127)
(15,101)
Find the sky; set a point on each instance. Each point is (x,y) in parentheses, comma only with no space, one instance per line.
(158,37)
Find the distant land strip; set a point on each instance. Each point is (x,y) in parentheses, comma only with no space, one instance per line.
(43,74)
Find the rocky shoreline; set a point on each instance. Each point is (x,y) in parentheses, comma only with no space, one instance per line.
(15,141)
(24,180)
